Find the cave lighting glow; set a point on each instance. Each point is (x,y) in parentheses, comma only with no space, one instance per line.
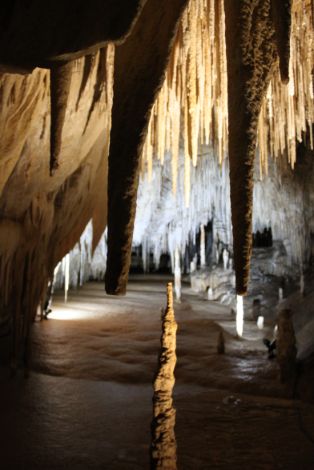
(239,316)
(69,314)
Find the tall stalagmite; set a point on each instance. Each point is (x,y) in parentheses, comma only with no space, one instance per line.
(163,449)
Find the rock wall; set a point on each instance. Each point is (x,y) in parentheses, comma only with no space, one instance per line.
(42,216)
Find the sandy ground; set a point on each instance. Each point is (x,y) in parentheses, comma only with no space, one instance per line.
(87,402)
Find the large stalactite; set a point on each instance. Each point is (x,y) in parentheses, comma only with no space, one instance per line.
(139,70)
(255,33)
(251,54)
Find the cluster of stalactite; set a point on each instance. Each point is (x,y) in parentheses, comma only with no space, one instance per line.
(287,112)
(193,102)
(239,77)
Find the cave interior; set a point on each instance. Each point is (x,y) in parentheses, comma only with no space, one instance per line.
(157,160)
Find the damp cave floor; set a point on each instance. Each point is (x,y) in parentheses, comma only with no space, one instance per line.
(87,403)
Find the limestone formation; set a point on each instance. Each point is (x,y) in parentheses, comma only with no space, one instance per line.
(139,70)
(163,449)
(42,217)
(60,83)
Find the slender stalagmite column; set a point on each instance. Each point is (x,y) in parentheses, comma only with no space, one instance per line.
(202,243)
(163,448)
(66,276)
(177,274)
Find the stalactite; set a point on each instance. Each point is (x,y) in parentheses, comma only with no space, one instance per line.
(104,56)
(142,58)
(250,62)
(287,112)
(194,90)
(163,448)
(60,82)
(281,13)
(89,63)
(187,180)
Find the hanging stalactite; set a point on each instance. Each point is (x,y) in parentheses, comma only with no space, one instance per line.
(60,82)
(89,63)
(281,14)
(139,70)
(193,101)
(250,62)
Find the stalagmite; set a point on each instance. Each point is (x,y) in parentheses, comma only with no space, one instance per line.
(66,276)
(177,274)
(142,58)
(60,82)
(280,294)
(302,281)
(260,322)
(225,258)
(239,316)
(163,448)
(202,246)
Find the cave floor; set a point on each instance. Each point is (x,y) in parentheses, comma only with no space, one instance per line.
(87,403)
